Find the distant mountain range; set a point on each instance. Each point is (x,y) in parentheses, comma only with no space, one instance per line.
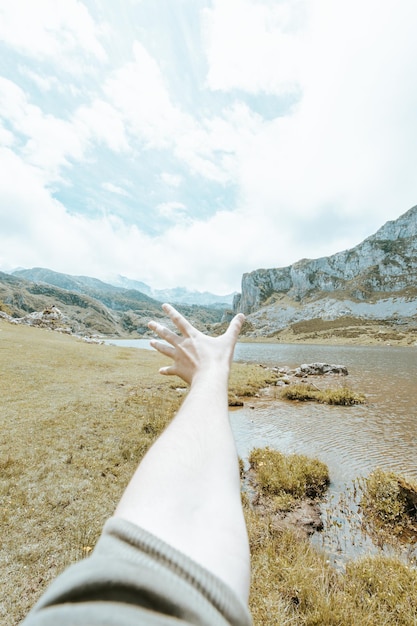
(367,292)
(90,306)
(178,295)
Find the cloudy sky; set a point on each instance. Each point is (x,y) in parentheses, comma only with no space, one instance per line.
(184,142)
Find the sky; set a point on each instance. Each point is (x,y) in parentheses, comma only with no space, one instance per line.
(185,142)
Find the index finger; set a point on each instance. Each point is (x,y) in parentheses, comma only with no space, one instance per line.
(179,320)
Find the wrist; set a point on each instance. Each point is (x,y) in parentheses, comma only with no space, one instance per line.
(215,376)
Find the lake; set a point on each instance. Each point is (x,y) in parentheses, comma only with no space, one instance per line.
(352,441)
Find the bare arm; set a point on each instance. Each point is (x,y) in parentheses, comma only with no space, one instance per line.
(187,489)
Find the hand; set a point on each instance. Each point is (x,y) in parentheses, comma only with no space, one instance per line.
(194,353)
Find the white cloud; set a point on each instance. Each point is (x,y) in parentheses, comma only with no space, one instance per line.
(49,142)
(100,121)
(173,180)
(309,183)
(138,91)
(172,210)
(115,189)
(254,46)
(197,255)
(53,31)
(207,147)
(351,142)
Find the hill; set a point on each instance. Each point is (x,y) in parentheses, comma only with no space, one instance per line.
(366,293)
(88,305)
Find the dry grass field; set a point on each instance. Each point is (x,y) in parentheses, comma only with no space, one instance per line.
(349,330)
(76,419)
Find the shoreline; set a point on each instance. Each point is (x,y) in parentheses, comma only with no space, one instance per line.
(406,342)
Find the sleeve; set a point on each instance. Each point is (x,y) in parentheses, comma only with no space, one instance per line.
(134,578)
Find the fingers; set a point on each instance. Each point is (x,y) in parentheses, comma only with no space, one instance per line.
(179,320)
(163,348)
(169,370)
(163,332)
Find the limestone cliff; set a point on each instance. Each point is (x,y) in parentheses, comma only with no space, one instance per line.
(383,263)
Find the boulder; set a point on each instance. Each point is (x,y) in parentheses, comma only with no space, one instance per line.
(319,369)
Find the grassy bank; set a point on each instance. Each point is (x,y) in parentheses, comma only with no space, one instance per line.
(345,330)
(77,418)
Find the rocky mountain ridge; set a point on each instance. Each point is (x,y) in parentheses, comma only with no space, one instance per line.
(375,280)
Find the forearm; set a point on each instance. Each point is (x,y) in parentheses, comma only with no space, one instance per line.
(187,491)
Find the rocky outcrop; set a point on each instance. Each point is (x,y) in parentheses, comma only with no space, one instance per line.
(51,318)
(320,369)
(382,265)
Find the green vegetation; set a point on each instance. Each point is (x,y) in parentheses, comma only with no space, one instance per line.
(341,395)
(349,329)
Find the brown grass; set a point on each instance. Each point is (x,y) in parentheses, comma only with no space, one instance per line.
(347,330)
(76,419)
(293,583)
(293,474)
(389,505)
(75,423)
(343,396)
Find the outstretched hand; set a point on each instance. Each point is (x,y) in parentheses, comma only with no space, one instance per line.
(193,353)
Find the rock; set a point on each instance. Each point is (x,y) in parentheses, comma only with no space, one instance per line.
(319,369)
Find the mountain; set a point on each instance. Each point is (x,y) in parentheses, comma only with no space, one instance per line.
(115,297)
(129,283)
(376,281)
(81,314)
(178,295)
(88,305)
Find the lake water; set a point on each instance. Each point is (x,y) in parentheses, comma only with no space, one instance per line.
(352,441)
